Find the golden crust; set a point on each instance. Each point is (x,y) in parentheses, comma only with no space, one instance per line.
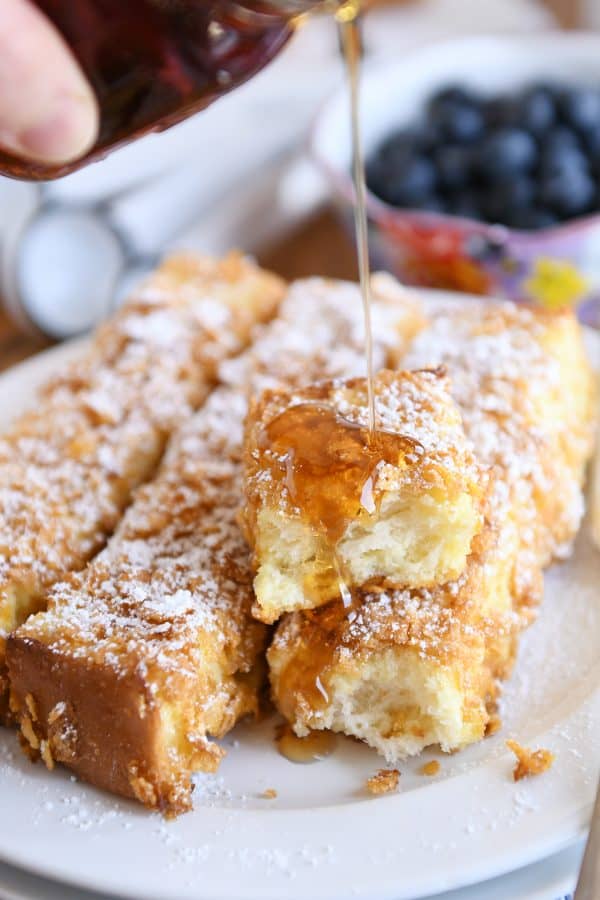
(156,632)
(68,467)
(155,637)
(530,762)
(152,650)
(324,503)
(527,395)
(404,669)
(327,338)
(385,781)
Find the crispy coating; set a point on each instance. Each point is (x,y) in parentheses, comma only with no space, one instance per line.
(530,762)
(69,466)
(385,781)
(408,668)
(152,648)
(150,651)
(527,395)
(327,505)
(402,669)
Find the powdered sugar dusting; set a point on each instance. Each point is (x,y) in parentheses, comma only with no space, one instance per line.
(416,407)
(168,600)
(526,394)
(178,558)
(511,373)
(67,469)
(327,340)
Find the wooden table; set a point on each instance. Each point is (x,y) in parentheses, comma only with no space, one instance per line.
(318,247)
(14,345)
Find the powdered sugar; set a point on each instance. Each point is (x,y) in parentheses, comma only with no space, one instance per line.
(68,468)
(182,529)
(168,600)
(506,373)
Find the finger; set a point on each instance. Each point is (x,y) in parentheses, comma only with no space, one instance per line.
(48,112)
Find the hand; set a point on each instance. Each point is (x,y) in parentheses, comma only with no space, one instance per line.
(48,111)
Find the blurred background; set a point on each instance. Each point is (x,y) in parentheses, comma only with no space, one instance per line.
(237,175)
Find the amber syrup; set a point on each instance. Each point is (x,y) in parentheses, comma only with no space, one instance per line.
(348,18)
(311,748)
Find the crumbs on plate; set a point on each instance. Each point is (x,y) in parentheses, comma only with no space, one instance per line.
(384,781)
(430,768)
(494,725)
(529,762)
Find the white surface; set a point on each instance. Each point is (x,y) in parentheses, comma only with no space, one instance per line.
(324,837)
(69,265)
(550,879)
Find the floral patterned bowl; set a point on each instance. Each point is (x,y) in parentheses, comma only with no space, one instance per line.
(555,267)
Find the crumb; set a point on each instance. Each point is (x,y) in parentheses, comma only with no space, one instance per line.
(384,781)
(30,704)
(529,762)
(269,794)
(46,755)
(494,724)
(430,768)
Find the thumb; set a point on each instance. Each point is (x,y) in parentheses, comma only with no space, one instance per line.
(48,111)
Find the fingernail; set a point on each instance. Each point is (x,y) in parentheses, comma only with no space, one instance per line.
(67,133)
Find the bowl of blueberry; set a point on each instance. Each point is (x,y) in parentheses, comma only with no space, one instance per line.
(482,167)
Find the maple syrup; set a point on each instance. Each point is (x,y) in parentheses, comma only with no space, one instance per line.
(305,675)
(315,746)
(348,17)
(329,465)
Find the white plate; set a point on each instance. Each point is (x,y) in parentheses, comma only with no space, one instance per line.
(323,837)
(551,879)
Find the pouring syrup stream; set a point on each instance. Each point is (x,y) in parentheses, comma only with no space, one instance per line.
(348,18)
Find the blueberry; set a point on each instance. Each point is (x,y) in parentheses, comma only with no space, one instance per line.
(452,95)
(458,122)
(428,136)
(453,164)
(580,108)
(568,194)
(499,112)
(532,219)
(408,185)
(561,136)
(535,110)
(553,89)
(591,143)
(399,147)
(506,152)
(393,154)
(556,160)
(457,113)
(504,199)
(466,203)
